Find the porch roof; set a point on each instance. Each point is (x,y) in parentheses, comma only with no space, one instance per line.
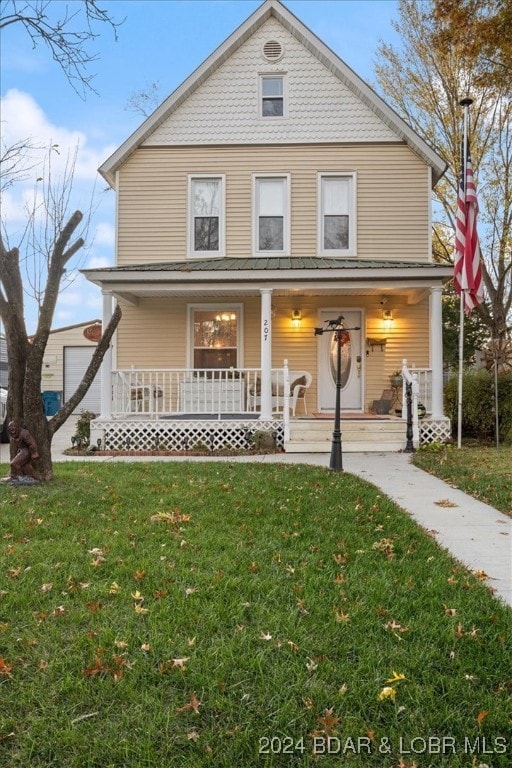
(247,275)
(268,264)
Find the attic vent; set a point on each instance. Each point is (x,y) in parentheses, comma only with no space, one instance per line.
(272,50)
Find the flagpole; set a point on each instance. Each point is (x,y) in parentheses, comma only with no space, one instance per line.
(466,104)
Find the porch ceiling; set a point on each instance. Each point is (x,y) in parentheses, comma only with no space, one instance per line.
(311,276)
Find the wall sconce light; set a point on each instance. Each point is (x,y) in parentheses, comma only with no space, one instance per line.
(296,318)
(387,316)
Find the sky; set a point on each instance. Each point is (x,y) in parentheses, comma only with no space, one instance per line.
(158,41)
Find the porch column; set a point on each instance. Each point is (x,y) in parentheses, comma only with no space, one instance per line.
(106,365)
(436,351)
(266,353)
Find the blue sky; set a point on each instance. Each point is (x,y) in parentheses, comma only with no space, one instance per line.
(159,41)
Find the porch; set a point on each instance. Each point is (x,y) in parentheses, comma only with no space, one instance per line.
(214,409)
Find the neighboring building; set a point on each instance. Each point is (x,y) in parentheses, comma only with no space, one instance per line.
(271,192)
(67,355)
(4,368)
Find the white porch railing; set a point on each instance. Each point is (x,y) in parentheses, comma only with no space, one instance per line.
(424,379)
(156,393)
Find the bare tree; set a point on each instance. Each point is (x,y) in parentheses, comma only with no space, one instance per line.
(65,29)
(16,162)
(145,101)
(51,239)
(425,82)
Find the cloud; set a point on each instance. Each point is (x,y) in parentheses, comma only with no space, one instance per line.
(98,262)
(104,235)
(23,119)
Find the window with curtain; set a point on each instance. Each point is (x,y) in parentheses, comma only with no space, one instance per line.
(272,96)
(271,214)
(215,338)
(206,219)
(336,214)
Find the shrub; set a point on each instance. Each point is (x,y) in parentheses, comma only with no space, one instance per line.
(478,404)
(83,428)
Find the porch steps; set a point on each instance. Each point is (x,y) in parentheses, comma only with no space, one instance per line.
(357,435)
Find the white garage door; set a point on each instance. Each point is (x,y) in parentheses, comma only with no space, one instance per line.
(76,360)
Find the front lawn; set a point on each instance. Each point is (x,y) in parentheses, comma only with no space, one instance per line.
(230,615)
(484,472)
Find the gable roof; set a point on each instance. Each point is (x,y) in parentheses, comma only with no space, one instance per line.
(275,9)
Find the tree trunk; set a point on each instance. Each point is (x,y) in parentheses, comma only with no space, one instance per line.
(24,402)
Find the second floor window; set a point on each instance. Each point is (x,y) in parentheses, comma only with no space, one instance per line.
(206,228)
(271,230)
(337,215)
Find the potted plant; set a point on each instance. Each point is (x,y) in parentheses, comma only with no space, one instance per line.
(396,379)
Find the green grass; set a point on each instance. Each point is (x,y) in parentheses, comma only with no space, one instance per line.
(485,472)
(282,598)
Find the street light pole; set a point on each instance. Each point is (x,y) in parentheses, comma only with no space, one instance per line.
(337,327)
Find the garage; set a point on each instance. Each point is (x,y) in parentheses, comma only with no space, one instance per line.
(76,361)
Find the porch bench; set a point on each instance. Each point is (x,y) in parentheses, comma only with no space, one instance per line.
(212,396)
(300,381)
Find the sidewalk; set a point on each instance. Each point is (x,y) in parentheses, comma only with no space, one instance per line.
(475,533)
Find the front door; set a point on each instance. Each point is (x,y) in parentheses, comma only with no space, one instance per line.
(351,362)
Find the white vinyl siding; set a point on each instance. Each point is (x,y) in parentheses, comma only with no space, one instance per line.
(152,207)
(206,224)
(336,221)
(271,230)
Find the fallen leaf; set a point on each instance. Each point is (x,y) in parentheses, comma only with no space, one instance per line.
(387,693)
(395,626)
(482,715)
(397,677)
(445,503)
(265,636)
(180,663)
(328,720)
(84,717)
(5,668)
(192,704)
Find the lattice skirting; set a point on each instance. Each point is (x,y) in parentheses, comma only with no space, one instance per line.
(210,435)
(435,431)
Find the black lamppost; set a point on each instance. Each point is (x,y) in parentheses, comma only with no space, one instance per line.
(336,326)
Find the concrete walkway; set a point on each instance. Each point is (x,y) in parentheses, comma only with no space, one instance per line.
(476,534)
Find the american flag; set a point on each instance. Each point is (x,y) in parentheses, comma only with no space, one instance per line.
(467,272)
